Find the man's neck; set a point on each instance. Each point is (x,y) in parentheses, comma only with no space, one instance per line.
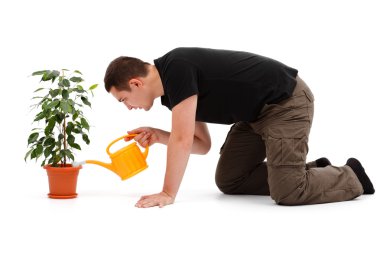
(155,80)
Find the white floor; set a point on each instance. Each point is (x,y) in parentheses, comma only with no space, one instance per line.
(103,218)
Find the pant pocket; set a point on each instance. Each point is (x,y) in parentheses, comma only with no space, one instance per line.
(287,151)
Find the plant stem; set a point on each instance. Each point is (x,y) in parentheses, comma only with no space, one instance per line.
(64,131)
(64,141)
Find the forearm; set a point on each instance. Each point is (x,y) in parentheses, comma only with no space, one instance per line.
(199,146)
(178,153)
(163,136)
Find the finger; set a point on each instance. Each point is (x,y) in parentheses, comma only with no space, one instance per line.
(138,138)
(139,203)
(128,138)
(144,144)
(132,132)
(144,203)
(150,201)
(144,141)
(144,197)
(150,204)
(143,200)
(137,130)
(141,137)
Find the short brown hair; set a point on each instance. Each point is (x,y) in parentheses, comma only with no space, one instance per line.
(123,69)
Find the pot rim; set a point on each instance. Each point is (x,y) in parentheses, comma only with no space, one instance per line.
(68,167)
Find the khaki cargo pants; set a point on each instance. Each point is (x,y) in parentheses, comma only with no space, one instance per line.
(281,136)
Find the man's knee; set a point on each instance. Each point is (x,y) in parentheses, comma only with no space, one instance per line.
(224,186)
(287,187)
(285,201)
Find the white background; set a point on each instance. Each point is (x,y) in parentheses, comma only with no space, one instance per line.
(333,44)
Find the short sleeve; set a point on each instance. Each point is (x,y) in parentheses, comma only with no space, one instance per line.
(180,82)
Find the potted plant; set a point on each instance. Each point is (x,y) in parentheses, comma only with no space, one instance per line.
(60,120)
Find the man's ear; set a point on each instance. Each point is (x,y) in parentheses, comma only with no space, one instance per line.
(135,82)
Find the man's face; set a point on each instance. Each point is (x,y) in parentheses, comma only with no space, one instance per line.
(137,98)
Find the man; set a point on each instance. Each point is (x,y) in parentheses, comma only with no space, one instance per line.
(271,110)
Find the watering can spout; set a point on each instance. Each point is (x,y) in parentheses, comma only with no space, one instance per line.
(105,165)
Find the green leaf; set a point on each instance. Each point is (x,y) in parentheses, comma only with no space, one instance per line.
(54,93)
(59,117)
(41,140)
(69,128)
(66,108)
(32,138)
(70,154)
(65,94)
(75,145)
(76,79)
(77,71)
(70,139)
(50,75)
(39,89)
(79,90)
(77,130)
(93,86)
(66,82)
(62,153)
(75,115)
(86,139)
(66,153)
(47,151)
(28,154)
(44,103)
(80,87)
(45,77)
(71,102)
(43,100)
(41,72)
(85,123)
(39,116)
(39,151)
(49,141)
(50,126)
(85,101)
(56,160)
(33,154)
(37,97)
(52,105)
(51,159)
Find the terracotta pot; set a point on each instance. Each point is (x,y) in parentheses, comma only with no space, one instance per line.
(62,181)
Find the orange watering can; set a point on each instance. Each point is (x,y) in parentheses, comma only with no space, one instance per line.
(126,162)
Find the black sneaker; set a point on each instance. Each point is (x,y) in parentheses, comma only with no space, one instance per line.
(357,167)
(322,162)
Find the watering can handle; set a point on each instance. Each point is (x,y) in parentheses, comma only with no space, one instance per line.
(145,154)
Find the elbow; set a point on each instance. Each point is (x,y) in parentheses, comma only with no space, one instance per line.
(184,142)
(205,148)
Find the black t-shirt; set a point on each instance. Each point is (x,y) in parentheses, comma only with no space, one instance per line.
(231,86)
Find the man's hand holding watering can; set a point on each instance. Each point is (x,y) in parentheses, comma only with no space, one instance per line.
(147,136)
